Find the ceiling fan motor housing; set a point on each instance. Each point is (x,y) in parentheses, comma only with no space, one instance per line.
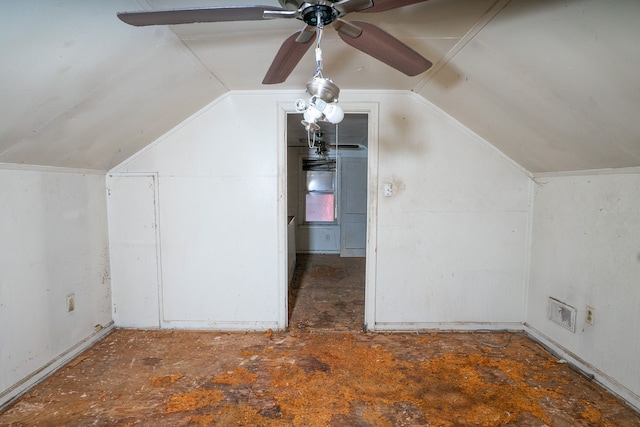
(319,13)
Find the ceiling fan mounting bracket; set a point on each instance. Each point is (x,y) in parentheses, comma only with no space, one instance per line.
(310,14)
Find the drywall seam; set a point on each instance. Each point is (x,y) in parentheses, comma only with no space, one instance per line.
(528,250)
(486,18)
(282,179)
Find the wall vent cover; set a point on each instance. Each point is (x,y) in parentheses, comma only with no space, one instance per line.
(562,314)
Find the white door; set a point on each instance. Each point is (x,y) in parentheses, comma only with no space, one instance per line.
(353,206)
(134,250)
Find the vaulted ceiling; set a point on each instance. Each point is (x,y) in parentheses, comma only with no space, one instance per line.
(554,84)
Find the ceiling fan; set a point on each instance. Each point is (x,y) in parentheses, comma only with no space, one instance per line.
(364,36)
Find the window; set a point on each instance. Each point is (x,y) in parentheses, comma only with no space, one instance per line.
(320,201)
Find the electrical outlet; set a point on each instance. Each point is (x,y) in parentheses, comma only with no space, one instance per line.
(388,189)
(71,302)
(590,317)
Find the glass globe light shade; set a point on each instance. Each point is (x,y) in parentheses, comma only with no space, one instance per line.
(333,113)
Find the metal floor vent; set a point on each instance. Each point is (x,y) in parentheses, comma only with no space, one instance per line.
(562,314)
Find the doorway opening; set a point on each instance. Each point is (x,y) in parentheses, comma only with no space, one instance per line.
(327,177)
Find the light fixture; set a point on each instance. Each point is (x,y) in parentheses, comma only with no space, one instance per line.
(322,150)
(322,106)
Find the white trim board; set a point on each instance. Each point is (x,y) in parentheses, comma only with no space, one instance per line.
(16,391)
(588,172)
(50,169)
(446,326)
(590,371)
(240,326)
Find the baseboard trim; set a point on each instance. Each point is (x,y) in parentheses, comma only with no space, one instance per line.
(13,393)
(623,393)
(219,325)
(445,326)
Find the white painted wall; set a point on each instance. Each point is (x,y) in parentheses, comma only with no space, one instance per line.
(586,252)
(53,242)
(452,240)
(222,219)
(133,234)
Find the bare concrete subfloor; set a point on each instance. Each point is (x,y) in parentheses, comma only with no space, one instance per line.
(314,376)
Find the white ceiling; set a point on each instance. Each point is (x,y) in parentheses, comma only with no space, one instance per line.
(554,84)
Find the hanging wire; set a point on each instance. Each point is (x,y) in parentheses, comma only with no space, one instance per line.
(488,344)
(337,174)
(318,72)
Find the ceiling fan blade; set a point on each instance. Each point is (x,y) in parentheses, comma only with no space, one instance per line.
(189,16)
(382,5)
(306,34)
(384,47)
(290,53)
(347,28)
(346,6)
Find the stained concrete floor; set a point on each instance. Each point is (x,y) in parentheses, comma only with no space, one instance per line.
(317,374)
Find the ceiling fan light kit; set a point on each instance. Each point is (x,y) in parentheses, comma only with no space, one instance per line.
(322,106)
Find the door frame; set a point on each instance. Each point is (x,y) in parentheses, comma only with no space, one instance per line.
(158,323)
(371,109)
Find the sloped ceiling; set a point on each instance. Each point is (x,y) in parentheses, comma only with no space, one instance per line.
(554,84)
